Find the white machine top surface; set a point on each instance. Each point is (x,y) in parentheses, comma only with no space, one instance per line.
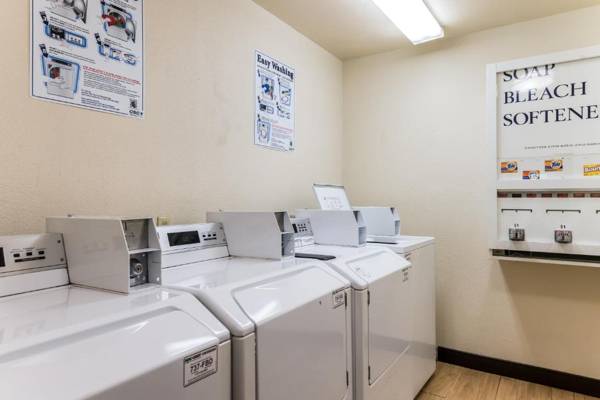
(406,244)
(360,265)
(47,338)
(245,292)
(50,313)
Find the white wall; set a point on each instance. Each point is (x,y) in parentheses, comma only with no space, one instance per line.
(194,151)
(415,137)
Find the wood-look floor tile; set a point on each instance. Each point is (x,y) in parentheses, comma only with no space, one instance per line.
(578,396)
(538,392)
(512,389)
(558,394)
(451,382)
(444,379)
(428,396)
(475,385)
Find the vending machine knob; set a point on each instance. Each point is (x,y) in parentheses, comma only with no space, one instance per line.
(563,236)
(516,234)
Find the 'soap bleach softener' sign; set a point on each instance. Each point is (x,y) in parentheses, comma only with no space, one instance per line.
(550,109)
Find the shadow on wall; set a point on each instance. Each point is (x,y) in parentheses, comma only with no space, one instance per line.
(552,305)
(553,280)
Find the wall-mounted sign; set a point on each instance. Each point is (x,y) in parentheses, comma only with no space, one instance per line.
(544,123)
(274,125)
(89,54)
(549,109)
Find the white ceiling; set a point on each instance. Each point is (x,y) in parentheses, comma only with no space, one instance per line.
(354,28)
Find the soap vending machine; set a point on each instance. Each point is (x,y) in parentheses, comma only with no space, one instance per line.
(545,198)
(551,224)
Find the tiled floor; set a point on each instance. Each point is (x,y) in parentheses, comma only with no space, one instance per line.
(452,382)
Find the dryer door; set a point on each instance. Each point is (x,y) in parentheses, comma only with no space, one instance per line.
(301,336)
(389,322)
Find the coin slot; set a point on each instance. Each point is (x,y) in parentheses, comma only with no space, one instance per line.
(138,270)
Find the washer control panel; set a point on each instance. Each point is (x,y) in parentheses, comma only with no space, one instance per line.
(27,252)
(303,233)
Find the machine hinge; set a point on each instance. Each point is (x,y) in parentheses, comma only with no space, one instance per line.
(368,297)
(369,372)
(347,379)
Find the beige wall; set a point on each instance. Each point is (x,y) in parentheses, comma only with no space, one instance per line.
(415,137)
(194,151)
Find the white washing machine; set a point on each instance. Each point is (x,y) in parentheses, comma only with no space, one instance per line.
(382,228)
(290,320)
(420,251)
(62,342)
(381,288)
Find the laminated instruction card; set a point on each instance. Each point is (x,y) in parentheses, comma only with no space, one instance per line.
(89,53)
(275,102)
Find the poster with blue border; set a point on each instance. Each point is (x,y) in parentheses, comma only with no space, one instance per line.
(89,54)
(274,124)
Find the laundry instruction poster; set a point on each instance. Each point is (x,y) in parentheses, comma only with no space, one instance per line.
(89,54)
(275,104)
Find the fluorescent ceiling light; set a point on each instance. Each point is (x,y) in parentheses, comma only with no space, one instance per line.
(413,18)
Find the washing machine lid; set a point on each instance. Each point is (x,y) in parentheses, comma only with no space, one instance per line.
(360,265)
(223,286)
(48,338)
(406,244)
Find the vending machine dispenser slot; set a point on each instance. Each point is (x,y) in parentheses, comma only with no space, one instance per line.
(534,256)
